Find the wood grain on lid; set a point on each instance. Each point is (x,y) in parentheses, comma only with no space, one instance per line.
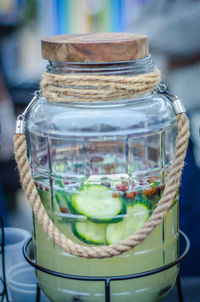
(95,47)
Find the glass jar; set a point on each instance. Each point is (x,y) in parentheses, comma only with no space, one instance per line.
(100,169)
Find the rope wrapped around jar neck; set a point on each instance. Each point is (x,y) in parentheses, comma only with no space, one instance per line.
(95,87)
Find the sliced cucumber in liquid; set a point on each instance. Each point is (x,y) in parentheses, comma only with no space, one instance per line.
(89,232)
(97,203)
(136,216)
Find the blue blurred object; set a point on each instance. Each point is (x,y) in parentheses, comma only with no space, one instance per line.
(190,212)
(12,12)
(3,210)
(116,17)
(62,20)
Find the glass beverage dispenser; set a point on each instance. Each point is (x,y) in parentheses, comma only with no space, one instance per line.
(100,155)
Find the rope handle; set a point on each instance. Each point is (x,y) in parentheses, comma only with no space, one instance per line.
(172,184)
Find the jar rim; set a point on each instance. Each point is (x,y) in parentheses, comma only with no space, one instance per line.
(131,67)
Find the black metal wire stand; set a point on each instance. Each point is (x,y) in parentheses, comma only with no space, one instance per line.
(4,292)
(107,280)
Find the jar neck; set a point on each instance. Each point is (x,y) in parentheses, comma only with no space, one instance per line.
(127,68)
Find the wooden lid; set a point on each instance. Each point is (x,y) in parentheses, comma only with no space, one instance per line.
(95,47)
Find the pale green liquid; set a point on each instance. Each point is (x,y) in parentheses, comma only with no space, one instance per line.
(160,248)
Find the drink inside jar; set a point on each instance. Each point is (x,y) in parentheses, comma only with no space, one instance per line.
(102,210)
(132,207)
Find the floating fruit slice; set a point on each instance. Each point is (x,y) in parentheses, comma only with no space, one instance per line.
(137,215)
(97,203)
(89,232)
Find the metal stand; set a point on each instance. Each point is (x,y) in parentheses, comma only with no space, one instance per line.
(179,289)
(107,280)
(4,292)
(38,294)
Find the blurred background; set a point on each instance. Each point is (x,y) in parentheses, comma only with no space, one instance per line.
(173,27)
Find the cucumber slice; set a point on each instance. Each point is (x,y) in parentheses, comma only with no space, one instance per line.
(137,215)
(61,198)
(89,232)
(141,199)
(97,203)
(59,183)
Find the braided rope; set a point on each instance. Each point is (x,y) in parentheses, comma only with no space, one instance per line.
(172,184)
(71,87)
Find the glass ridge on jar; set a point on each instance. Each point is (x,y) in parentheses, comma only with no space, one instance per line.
(123,145)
